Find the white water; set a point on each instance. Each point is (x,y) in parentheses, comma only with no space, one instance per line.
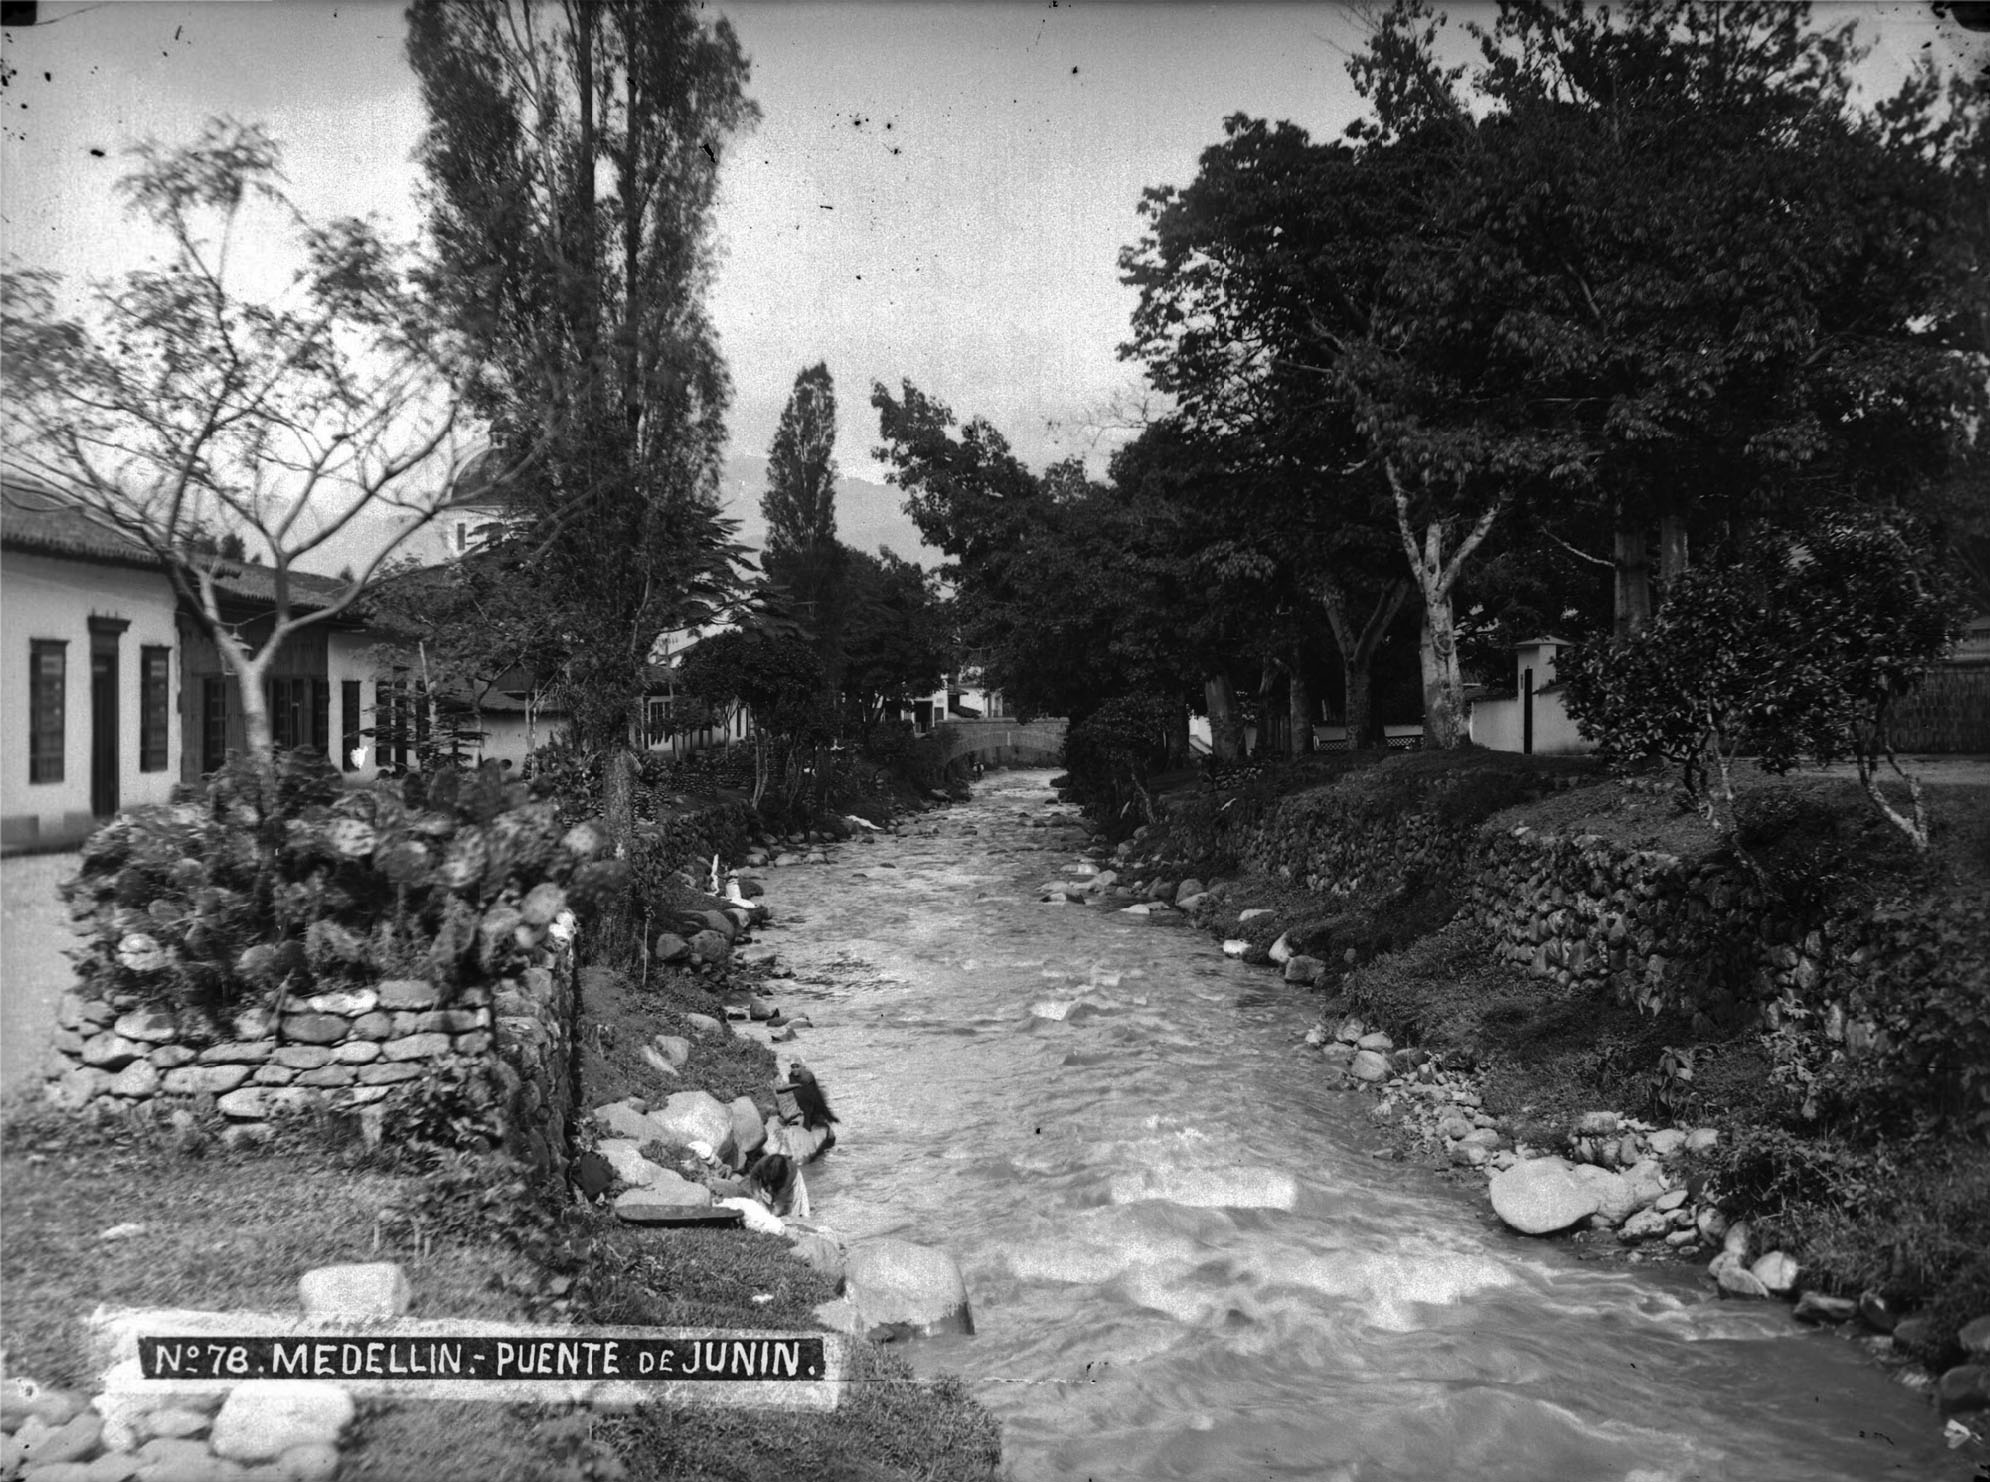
(1184,1259)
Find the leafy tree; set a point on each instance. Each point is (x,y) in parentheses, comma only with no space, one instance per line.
(800,507)
(1794,651)
(1650,262)
(185,409)
(897,642)
(777,679)
(572,162)
(1240,273)
(1668,269)
(466,627)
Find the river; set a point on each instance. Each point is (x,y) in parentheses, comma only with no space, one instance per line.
(1188,1257)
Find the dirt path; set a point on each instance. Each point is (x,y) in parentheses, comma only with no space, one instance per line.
(33,972)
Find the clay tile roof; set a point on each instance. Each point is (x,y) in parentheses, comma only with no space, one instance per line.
(38,520)
(35,519)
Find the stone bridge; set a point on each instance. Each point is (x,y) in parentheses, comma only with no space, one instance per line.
(1007,743)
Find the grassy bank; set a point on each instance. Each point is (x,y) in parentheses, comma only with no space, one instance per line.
(225,1224)
(1877,1183)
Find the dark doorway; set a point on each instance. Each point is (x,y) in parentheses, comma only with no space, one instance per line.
(1527,711)
(103,716)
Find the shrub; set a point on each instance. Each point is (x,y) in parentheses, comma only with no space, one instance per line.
(224,896)
(1795,648)
(1110,754)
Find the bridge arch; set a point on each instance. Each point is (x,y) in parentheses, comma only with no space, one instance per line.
(1007,742)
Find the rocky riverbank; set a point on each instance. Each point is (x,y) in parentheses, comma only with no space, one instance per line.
(1620,1187)
(683,1155)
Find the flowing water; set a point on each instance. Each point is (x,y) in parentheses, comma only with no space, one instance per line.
(1184,1257)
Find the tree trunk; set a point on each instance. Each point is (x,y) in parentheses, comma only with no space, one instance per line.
(1178,733)
(1443,686)
(258,737)
(1225,734)
(1436,574)
(1633,562)
(618,797)
(1671,547)
(1357,653)
(1299,705)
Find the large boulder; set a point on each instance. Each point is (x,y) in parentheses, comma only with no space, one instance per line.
(697,1117)
(1616,1198)
(749,1134)
(902,1290)
(1541,1196)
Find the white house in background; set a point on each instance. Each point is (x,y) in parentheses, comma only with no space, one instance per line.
(472,515)
(1533,718)
(91,675)
(963,697)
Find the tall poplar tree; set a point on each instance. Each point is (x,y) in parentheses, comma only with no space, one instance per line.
(800,506)
(572,161)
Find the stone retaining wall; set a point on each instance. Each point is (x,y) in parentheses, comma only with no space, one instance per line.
(1649,928)
(537,1044)
(345,1049)
(1663,933)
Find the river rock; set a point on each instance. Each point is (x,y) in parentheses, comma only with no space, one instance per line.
(1280,951)
(1736,1280)
(1877,1313)
(713,946)
(1615,1198)
(1541,1196)
(1816,1307)
(697,1117)
(749,1134)
(1596,1124)
(1369,1065)
(904,1290)
(1300,968)
(1777,1271)
(1914,1335)
(1646,1224)
(263,1418)
(1647,1181)
(703,1024)
(1975,1337)
(1702,1139)
(1964,1388)
(1665,1144)
(1235,947)
(670,947)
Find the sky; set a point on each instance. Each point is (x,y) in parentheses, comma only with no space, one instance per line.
(935,192)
